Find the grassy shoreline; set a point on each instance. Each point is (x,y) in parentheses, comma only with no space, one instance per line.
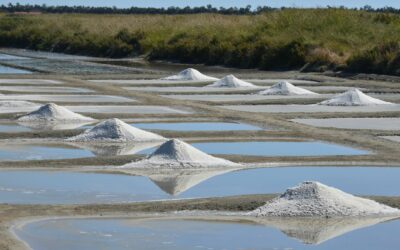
(312,39)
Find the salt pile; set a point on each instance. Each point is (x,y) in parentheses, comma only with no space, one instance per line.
(230,81)
(353,97)
(178,154)
(190,75)
(315,199)
(285,88)
(115,130)
(53,113)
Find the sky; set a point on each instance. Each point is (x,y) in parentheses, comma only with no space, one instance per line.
(215,3)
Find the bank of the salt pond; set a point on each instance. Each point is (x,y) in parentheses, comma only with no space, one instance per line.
(44,187)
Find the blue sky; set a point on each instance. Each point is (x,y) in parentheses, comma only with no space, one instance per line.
(216,3)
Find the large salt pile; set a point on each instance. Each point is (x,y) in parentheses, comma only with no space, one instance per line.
(115,130)
(353,97)
(190,75)
(230,81)
(53,113)
(285,88)
(178,154)
(315,199)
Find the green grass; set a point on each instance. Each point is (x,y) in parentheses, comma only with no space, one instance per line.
(284,39)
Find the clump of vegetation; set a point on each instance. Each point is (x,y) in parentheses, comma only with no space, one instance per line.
(322,39)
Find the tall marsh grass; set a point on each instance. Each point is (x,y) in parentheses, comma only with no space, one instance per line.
(284,39)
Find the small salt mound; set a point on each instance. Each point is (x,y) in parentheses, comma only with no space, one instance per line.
(285,88)
(53,113)
(178,154)
(190,75)
(16,104)
(115,130)
(230,81)
(315,199)
(353,97)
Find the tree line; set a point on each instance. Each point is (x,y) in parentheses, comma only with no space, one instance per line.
(248,10)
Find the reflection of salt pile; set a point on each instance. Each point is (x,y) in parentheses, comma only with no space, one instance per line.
(230,81)
(176,181)
(353,97)
(178,154)
(113,149)
(318,230)
(53,113)
(315,199)
(190,75)
(286,88)
(115,130)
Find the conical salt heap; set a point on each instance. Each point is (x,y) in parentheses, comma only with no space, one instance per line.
(313,199)
(51,112)
(230,81)
(285,88)
(190,75)
(115,130)
(178,154)
(353,97)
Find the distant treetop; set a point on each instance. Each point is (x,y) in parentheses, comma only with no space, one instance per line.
(248,10)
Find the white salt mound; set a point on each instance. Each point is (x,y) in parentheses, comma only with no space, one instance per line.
(285,88)
(52,112)
(353,97)
(115,130)
(315,199)
(230,81)
(190,75)
(178,154)
(16,104)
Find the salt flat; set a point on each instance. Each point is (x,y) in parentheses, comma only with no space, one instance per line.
(311,108)
(208,89)
(394,138)
(354,123)
(28,81)
(45,89)
(68,98)
(109,109)
(161,81)
(243,97)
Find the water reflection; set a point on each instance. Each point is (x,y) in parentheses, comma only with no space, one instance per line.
(177,181)
(211,233)
(318,230)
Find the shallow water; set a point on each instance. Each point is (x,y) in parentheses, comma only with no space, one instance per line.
(21,152)
(68,98)
(44,187)
(311,108)
(124,234)
(383,123)
(274,148)
(34,89)
(197,126)
(10,70)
